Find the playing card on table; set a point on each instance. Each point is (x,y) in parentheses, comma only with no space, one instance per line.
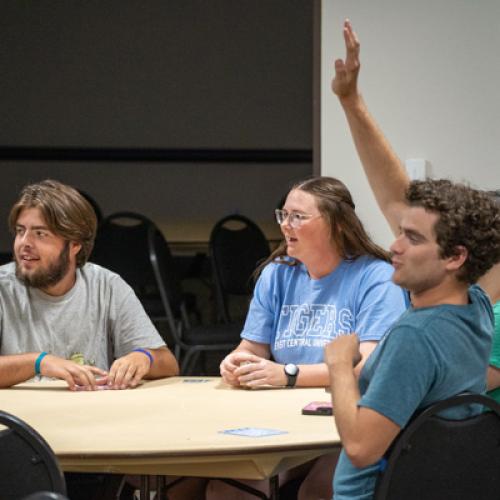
(253,432)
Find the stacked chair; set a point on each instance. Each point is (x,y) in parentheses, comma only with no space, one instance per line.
(131,245)
(237,247)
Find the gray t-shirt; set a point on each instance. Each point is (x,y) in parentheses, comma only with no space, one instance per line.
(99,308)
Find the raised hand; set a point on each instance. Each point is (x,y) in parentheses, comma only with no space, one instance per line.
(344,84)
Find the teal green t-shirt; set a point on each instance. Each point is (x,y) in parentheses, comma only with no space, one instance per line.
(495,350)
(430,354)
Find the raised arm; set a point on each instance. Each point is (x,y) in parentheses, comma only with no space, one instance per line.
(384,170)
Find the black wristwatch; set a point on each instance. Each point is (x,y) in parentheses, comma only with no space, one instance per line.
(291,372)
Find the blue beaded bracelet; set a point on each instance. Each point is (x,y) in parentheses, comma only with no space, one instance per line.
(147,353)
(38,361)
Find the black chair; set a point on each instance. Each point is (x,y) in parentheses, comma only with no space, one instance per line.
(94,204)
(237,246)
(435,458)
(191,341)
(121,246)
(131,245)
(46,495)
(5,258)
(27,463)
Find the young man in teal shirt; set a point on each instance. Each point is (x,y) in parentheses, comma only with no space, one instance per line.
(494,368)
(448,238)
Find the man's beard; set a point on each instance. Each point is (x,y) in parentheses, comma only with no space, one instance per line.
(48,276)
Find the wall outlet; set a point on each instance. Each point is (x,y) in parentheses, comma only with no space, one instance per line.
(418,169)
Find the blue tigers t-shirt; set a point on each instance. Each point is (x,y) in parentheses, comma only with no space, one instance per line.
(297,315)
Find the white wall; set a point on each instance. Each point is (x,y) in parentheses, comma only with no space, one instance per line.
(430,75)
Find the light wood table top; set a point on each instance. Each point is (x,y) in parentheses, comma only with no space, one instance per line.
(173,426)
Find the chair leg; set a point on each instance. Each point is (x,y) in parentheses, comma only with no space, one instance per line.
(194,360)
(253,491)
(145,487)
(184,362)
(160,488)
(274,487)
(177,352)
(189,362)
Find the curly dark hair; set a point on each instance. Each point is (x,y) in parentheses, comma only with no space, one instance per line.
(467,217)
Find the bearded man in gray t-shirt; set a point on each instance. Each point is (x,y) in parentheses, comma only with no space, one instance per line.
(59,315)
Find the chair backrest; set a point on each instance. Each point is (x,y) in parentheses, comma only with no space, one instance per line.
(94,204)
(122,246)
(437,458)
(166,277)
(237,246)
(45,495)
(27,463)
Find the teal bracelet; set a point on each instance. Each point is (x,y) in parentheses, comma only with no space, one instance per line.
(38,361)
(147,353)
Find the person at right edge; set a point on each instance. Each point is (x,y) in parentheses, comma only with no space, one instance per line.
(447,242)
(493,378)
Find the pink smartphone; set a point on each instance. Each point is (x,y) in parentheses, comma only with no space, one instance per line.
(318,408)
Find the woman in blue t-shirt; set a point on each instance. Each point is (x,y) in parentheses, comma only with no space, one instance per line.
(327,278)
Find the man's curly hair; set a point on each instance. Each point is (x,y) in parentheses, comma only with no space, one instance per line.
(467,217)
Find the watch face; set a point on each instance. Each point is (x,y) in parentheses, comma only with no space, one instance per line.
(291,369)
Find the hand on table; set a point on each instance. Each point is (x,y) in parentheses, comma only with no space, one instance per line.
(249,370)
(228,366)
(232,362)
(76,376)
(126,372)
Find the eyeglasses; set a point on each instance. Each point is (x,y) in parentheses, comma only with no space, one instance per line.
(295,219)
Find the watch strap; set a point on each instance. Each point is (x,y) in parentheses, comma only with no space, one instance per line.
(291,380)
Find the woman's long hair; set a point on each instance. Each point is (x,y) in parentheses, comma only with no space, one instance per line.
(335,204)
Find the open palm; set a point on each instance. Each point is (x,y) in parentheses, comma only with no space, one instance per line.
(346,72)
